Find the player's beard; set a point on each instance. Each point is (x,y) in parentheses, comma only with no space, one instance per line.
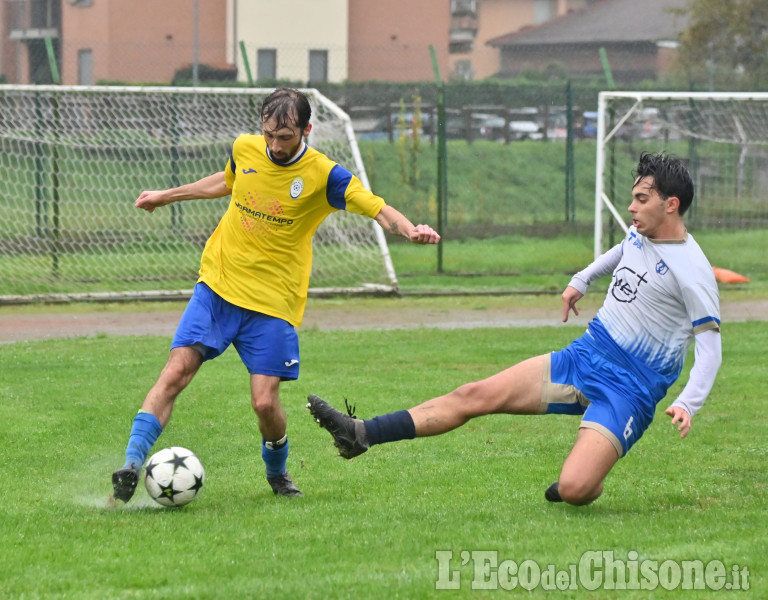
(285,157)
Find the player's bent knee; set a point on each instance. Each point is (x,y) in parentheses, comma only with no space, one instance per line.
(579,493)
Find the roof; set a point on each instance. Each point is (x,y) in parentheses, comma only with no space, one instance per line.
(625,21)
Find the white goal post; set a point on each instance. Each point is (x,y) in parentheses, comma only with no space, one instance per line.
(73,159)
(722,136)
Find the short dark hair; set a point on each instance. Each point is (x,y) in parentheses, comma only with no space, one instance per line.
(289,108)
(670,177)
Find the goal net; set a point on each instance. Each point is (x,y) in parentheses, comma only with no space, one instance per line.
(722,137)
(74,159)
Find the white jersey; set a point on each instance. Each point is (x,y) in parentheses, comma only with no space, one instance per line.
(661,295)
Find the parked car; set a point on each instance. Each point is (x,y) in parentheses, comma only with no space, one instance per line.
(525,130)
(558,127)
(589,126)
(642,124)
(487,126)
(648,124)
(397,123)
(525,124)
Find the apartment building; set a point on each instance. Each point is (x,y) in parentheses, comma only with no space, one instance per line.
(309,41)
(141,41)
(475,22)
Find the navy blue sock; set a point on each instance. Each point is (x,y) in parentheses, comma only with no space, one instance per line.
(275,460)
(144,433)
(390,428)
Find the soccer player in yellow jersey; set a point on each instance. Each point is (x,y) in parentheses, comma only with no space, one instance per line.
(254,274)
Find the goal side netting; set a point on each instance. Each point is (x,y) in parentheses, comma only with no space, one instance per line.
(722,137)
(74,159)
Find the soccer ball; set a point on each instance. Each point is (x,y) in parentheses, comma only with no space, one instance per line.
(174,476)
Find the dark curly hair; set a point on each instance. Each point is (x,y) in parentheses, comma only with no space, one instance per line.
(289,108)
(670,177)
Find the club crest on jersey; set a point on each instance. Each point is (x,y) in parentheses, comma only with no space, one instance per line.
(297,186)
(662,268)
(626,283)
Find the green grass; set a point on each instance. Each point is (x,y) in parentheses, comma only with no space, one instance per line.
(524,183)
(368,528)
(489,184)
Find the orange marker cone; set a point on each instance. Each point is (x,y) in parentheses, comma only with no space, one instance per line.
(726,276)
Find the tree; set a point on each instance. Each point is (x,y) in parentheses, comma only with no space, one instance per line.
(726,43)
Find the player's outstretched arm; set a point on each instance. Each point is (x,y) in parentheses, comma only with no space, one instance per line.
(394,221)
(708,355)
(577,287)
(213,186)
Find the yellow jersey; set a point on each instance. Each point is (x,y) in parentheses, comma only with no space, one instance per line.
(260,255)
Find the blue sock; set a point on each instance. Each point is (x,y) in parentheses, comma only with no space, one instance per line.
(144,433)
(275,460)
(390,428)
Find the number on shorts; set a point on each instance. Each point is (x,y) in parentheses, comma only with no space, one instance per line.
(628,429)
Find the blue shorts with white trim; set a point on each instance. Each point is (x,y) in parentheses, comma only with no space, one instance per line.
(613,401)
(266,345)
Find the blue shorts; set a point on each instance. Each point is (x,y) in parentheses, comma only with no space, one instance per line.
(578,381)
(266,345)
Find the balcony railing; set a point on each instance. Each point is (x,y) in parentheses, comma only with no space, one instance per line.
(33,19)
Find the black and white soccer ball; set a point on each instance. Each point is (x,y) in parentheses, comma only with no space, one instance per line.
(174,476)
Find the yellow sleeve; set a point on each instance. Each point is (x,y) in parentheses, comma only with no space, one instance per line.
(362,201)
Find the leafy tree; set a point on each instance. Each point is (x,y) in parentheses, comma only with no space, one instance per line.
(726,43)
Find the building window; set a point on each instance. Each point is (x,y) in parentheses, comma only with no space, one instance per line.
(462,41)
(460,8)
(44,14)
(266,63)
(318,66)
(85,67)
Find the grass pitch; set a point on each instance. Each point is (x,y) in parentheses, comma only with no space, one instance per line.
(371,527)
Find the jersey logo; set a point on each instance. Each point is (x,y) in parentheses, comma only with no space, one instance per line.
(248,171)
(261,215)
(662,268)
(626,283)
(297,186)
(290,363)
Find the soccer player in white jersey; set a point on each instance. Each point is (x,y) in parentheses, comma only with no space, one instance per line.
(662,296)
(254,275)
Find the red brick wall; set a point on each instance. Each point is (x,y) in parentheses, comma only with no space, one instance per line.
(390,39)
